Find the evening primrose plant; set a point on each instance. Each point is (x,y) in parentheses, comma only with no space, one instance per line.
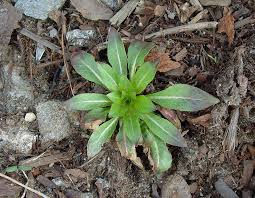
(126,109)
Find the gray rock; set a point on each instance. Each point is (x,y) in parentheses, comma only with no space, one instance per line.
(215,2)
(224,190)
(80,38)
(38,9)
(16,94)
(15,135)
(113,4)
(52,121)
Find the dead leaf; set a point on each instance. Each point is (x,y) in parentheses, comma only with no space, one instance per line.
(249,166)
(46,182)
(76,174)
(186,11)
(165,63)
(226,24)
(9,18)
(251,149)
(91,9)
(159,10)
(203,120)
(93,124)
(171,116)
(181,54)
(8,189)
(145,12)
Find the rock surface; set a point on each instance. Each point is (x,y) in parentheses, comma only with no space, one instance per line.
(15,135)
(38,9)
(52,121)
(16,93)
(80,38)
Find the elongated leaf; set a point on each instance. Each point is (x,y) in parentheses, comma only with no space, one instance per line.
(116,52)
(88,101)
(144,75)
(109,76)
(143,104)
(118,110)
(131,128)
(127,149)
(11,169)
(125,85)
(97,114)
(115,97)
(159,156)
(136,54)
(184,98)
(164,129)
(101,136)
(85,65)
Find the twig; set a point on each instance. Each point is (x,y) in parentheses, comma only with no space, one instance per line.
(42,65)
(244,22)
(24,186)
(124,12)
(183,28)
(40,40)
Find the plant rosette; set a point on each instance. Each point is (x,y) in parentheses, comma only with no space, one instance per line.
(125,108)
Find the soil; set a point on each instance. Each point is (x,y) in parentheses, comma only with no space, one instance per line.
(224,70)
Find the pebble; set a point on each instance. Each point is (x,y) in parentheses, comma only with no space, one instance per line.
(80,38)
(38,9)
(30,117)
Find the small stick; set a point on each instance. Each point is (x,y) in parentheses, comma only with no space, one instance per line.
(183,28)
(42,65)
(244,22)
(40,40)
(24,186)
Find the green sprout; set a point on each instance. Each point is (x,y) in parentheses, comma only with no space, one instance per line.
(126,109)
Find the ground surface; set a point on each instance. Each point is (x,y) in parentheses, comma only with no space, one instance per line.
(220,139)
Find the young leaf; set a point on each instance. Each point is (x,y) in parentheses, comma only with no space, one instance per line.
(88,101)
(116,52)
(11,169)
(143,76)
(118,110)
(125,85)
(127,149)
(136,54)
(143,104)
(115,97)
(184,98)
(131,127)
(97,114)
(85,65)
(164,129)
(159,156)
(101,136)
(109,76)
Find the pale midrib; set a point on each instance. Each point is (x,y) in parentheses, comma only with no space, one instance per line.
(111,79)
(98,77)
(158,125)
(134,63)
(105,130)
(118,57)
(174,97)
(157,151)
(141,80)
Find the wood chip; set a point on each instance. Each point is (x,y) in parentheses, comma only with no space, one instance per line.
(124,12)
(93,10)
(47,158)
(203,120)
(159,10)
(165,63)
(181,55)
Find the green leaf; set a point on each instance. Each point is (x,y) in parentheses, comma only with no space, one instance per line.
(143,104)
(136,54)
(109,76)
(125,85)
(159,156)
(118,110)
(127,148)
(101,136)
(85,65)
(144,75)
(131,128)
(88,101)
(184,98)
(164,129)
(25,168)
(97,114)
(116,52)
(11,169)
(115,97)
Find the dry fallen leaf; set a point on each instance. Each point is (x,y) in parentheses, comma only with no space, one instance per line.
(91,9)
(76,174)
(203,120)
(165,63)
(93,124)
(159,10)
(171,116)
(9,18)
(226,24)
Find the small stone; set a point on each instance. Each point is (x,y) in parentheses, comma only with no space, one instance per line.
(193,187)
(53,33)
(80,38)
(30,117)
(38,9)
(52,121)
(113,4)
